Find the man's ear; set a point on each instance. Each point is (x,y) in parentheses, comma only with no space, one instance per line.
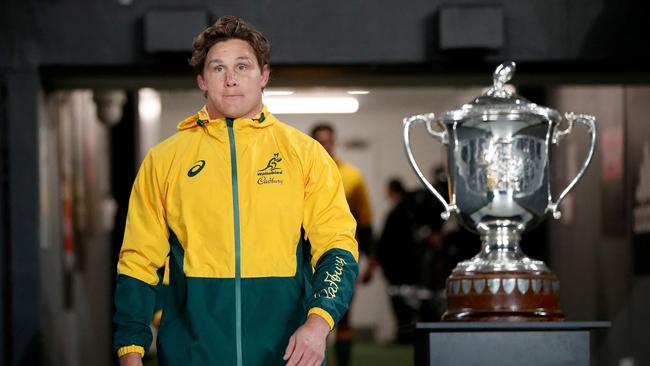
(266,72)
(201,83)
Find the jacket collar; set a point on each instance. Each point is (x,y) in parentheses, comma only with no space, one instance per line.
(202,119)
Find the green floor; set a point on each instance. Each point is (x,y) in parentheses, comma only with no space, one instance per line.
(364,354)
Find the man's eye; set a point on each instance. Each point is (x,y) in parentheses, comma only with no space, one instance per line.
(218,68)
(241,67)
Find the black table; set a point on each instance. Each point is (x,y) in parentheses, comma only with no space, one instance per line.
(504,344)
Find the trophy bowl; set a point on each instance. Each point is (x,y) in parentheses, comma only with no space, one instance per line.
(498,175)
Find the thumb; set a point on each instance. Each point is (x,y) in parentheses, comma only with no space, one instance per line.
(290,347)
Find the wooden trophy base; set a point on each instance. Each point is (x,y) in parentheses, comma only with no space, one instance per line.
(503,296)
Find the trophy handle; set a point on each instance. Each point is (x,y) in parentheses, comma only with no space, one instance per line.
(427,119)
(590,122)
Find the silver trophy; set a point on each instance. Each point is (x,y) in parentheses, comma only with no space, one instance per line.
(499,185)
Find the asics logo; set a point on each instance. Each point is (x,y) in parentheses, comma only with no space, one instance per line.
(196,168)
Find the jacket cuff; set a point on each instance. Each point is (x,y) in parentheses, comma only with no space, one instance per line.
(130,349)
(323,314)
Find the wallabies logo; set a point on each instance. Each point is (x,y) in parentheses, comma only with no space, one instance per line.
(268,174)
(271,166)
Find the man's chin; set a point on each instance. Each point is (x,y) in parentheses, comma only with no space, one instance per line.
(239,113)
(233,113)
(236,111)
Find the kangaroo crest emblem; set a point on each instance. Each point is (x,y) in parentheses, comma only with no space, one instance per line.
(272,166)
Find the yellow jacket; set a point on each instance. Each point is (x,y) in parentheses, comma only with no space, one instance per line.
(253,216)
(357,196)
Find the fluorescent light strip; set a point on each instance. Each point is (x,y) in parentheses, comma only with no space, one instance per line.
(277,92)
(358,92)
(311,105)
(149,106)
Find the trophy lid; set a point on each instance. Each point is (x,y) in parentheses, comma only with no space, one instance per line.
(498,103)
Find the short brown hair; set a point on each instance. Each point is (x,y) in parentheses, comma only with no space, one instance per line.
(322,126)
(225,28)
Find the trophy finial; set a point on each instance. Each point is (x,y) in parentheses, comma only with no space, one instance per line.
(502,75)
(504,72)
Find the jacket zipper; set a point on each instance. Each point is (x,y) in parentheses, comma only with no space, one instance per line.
(235,203)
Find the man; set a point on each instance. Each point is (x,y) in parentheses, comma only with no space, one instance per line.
(357,197)
(262,254)
(399,255)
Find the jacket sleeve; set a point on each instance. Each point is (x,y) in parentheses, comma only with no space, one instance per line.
(330,228)
(144,250)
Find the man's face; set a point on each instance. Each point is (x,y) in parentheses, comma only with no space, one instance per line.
(233,80)
(326,139)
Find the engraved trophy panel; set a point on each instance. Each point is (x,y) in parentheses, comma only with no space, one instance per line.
(498,162)
(500,175)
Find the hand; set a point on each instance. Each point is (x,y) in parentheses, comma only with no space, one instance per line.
(307,344)
(131,359)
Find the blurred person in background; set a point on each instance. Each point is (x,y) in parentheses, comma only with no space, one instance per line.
(446,243)
(357,197)
(418,250)
(399,255)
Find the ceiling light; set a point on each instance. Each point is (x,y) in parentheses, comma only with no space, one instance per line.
(149,106)
(278,92)
(358,92)
(311,105)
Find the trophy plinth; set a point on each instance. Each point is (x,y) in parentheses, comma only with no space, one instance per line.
(502,284)
(503,296)
(498,165)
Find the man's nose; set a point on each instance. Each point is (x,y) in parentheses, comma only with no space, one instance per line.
(231,80)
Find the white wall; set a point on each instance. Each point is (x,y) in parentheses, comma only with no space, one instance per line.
(377,128)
